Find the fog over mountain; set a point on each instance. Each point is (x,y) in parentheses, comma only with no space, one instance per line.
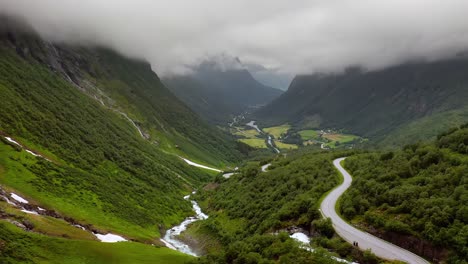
(290,37)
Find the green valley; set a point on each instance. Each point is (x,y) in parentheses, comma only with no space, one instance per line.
(147,132)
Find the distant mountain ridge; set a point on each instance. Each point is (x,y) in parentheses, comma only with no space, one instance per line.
(217,93)
(417,100)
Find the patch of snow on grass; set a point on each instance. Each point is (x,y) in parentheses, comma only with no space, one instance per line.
(29,212)
(265,167)
(19,198)
(228,175)
(12,141)
(110,238)
(191,163)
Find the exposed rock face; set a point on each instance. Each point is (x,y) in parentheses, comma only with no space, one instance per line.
(416,245)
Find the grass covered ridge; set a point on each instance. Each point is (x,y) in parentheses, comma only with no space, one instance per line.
(17,246)
(103,172)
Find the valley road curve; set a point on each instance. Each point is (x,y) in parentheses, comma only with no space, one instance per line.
(379,247)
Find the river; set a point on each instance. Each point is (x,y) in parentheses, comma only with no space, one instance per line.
(170,238)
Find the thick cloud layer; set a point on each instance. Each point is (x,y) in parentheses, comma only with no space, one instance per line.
(300,36)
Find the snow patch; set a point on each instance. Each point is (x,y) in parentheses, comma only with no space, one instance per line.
(265,167)
(191,163)
(32,153)
(29,212)
(80,227)
(19,198)
(301,237)
(228,175)
(12,141)
(110,238)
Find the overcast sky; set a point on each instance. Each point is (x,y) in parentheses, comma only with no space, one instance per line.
(293,36)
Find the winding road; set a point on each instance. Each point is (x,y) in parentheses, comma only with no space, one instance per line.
(365,240)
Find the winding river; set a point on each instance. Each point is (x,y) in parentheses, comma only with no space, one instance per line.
(270,139)
(170,238)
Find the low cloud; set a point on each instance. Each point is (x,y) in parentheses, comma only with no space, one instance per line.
(301,36)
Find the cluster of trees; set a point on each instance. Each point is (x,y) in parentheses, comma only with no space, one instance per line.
(267,249)
(421,190)
(247,209)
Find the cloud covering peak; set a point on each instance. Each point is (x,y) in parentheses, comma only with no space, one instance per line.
(301,36)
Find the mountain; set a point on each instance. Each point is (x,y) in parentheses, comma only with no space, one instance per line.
(130,89)
(396,105)
(218,93)
(270,77)
(93,138)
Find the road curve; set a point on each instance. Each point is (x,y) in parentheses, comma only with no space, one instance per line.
(365,240)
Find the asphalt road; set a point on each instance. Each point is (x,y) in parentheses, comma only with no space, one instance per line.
(379,247)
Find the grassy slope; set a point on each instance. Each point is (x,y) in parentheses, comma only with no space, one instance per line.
(308,134)
(254,142)
(139,92)
(250,133)
(17,246)
(282,145)
(105,174)
(425,128)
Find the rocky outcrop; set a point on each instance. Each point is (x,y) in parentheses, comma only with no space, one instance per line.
(419,246)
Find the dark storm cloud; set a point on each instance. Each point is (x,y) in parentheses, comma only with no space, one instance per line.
(292,36)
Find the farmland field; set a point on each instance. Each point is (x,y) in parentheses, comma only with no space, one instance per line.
(254,142)
(278,130)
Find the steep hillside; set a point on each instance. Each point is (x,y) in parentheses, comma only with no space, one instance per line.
(379,104)
(132,90)
(416,197)
(109,133)
(218,94)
